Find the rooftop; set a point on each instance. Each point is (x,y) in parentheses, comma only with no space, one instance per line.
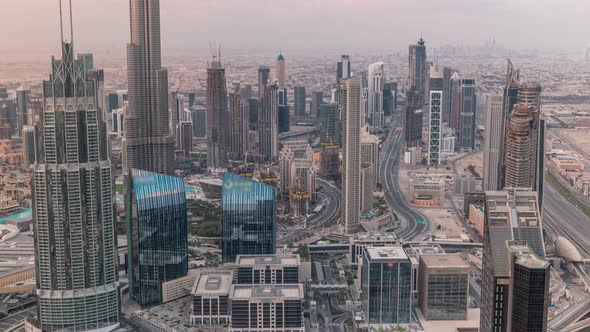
(386,253)
(279,259)
(284,292)
(213,283)
(443,260)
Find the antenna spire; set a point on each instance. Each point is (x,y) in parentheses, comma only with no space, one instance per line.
(61,23)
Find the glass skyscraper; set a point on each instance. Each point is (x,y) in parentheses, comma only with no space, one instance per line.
(157,234)
(73,208)
(248,222)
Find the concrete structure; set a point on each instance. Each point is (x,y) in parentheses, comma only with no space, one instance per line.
(375,94)
(275,269)
(238,124)
(367,186)
(434,115)
(443,287)
(476,217)
(217,115)
(463,184)
(563,165)
(351,153)
(77,280)
(149,144)
(268,126)
(492,142)
(512,214)
(266,308)
(210,293)
(386,286)
(177,288)
(281,70)
(427,192)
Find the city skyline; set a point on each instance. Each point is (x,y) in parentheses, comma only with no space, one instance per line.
(221,20)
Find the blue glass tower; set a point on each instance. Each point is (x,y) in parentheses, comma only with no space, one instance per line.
(157,234)
(248,218)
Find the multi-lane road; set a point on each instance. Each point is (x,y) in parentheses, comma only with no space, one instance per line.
(413,224)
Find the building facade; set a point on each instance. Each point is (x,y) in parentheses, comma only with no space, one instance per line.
(418,71)
(330,124)
(217,114)
(376,81)
(210,298)
(268,269)
(492,143)
(434,116)
(238,123)
(248,218)
(281,71)
(468,107)
(268,125)
(156,234)
(299,101)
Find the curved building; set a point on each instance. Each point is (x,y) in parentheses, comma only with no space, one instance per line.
(520,147)
(156,234)
(72,188)
(566,250)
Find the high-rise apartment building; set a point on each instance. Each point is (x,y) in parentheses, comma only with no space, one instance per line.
(263,78)
(248,218)
(434,115)
(370,152)
(468,107)
(512,214)
(217,114)
(238,124)
(343,69)
(375,84)
(492,143)
(149,144)
(351,153)
(156,234)
(414,118)
(330,124)
(418,71)
(520,147)
(299,101)
(268,126)
(281,70)
(386,282)
(73,205)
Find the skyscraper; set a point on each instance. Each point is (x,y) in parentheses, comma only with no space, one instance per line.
(149,144)
(330,124)
(512,214)
(520,147)
(22,108)
(299,101)
(263,77)
(389,98)
(8,115)
(268,126)
(156,234)
(284,116)
(351,152)
(248,218)
(414,117)
(184,138)
(375,94)
(281,70)
(238,123)
(468,107)
(73,206)
(418,71)
(343,69)
(217,116)
(317,99)
(455,103)
(491,149)
(434,115)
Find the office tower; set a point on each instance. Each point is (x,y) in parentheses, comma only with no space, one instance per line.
(281,70)
(446,102)
(28,134)
(268,269)
(248,218)
(330,162)
(317,99)
(118,121)
(520,148)
(367,185)
(247,89)
(23,115)
(360,241)
(491,147)
(529,297)
(184,138)
(156,234)
(389,98)
(330,124)
(217,117)
(76,266)
(434,115)
(467,130)
(149,145)
(263,77)
(238,122)
(375,94)
(283,96)
(299,101)
(386,281)
(509,100)
(268,127)
(113,101)
(266,308)
(414,118)
(455,101)
(512,214)
(8,116)
(253,104)
(418,71)
(351,152)
(284,116)
(199,119)
(343,69)
(370,152)
(443,287)
(210,298)
(97,75)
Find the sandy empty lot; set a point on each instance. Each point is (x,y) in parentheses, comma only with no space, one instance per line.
(475,159)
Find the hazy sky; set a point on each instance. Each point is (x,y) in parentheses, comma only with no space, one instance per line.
(339,25)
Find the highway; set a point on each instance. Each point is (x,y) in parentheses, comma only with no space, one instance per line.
(391,155)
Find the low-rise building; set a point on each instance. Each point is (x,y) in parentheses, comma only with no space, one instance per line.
(210,293)
(427,192)
(177,288)
(268,269)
